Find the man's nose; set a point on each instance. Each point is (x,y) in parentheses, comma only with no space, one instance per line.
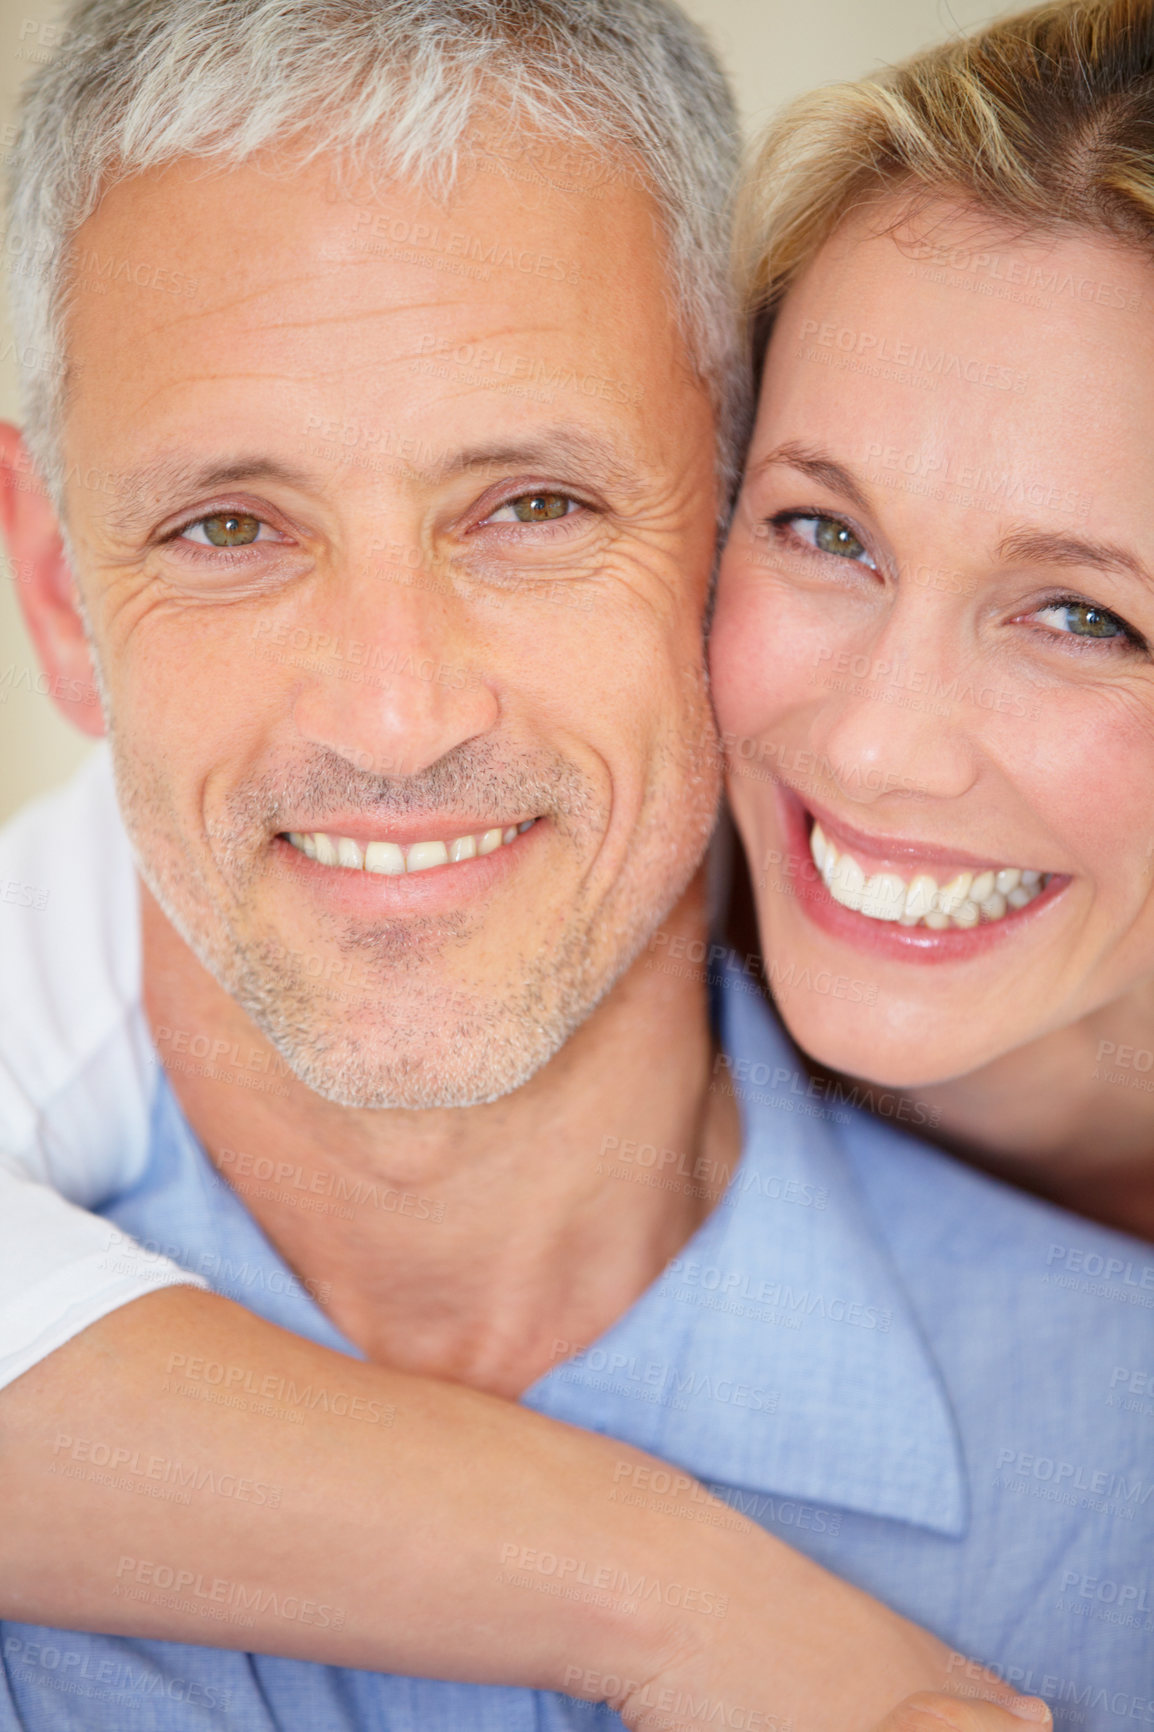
(905,727)
(393,678)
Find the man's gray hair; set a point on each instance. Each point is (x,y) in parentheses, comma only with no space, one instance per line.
(395,85)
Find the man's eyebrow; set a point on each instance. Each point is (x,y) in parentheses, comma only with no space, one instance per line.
(143,492)
(819,467)
(551,448)
(1040,547)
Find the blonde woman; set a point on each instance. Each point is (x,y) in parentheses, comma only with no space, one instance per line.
(953,315)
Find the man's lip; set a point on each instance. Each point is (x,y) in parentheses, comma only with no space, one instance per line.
(899,849)
(403,835)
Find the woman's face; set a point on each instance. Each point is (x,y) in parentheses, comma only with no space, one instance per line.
(933,654)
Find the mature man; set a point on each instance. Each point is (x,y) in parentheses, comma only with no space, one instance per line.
(391,528)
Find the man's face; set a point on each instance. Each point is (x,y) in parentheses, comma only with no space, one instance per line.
(395,568)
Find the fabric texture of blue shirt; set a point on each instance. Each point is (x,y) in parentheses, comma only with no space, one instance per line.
(937,1386)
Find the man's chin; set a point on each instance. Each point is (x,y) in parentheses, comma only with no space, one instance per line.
(451,1070)
(420,1042)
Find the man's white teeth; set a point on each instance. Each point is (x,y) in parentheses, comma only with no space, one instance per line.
(385,858)
(421,855)
(390,860)
(966,899)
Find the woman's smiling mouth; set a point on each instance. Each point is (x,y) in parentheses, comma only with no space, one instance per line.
(961,900)
(908,900)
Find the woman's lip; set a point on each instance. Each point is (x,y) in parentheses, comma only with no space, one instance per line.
(885,939)
(885,851)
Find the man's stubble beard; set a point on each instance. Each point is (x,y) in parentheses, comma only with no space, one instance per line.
(483,1045)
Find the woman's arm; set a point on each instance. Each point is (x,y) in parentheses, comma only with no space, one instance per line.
(144,1496)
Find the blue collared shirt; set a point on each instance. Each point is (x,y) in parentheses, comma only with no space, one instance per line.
(939,1387)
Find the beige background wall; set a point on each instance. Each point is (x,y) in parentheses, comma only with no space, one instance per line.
(773,49)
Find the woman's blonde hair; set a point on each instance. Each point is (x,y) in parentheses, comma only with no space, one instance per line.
(1044,120)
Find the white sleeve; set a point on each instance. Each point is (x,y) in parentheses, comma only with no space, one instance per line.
(61,1269)
(77,1070)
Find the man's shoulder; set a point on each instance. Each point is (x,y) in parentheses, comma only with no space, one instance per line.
(70,985)
(972,1243)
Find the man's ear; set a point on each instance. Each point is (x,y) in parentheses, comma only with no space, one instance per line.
(45,586)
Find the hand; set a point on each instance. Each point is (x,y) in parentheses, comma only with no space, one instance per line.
(929,1712)
(798,1650)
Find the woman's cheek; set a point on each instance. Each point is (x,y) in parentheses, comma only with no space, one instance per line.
(770,655)
(744,648)
(1063,761)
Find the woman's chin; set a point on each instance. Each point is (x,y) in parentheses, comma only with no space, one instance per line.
(868,1042)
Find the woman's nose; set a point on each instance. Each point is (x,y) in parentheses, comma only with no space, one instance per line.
(902,727)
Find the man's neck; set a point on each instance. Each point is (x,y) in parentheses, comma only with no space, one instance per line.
(477,1243)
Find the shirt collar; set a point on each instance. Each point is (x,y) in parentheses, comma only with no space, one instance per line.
(779,1352)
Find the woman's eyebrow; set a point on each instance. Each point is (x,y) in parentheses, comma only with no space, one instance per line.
(1041,547)
(820,467)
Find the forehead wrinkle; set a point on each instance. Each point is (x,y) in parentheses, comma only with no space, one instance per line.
(347,316)
(234,304)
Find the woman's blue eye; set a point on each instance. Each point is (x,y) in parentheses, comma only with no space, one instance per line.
(830,535)
(1082,619)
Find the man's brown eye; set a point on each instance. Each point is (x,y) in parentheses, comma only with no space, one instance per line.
(229,528)
(540,507)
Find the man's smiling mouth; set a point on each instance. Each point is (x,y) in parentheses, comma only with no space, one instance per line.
(393,859)
(961,901)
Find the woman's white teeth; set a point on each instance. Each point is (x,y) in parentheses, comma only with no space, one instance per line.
(390,860)
(884,897)
(845,879)
(921,898)
(966,899)
(952,895)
